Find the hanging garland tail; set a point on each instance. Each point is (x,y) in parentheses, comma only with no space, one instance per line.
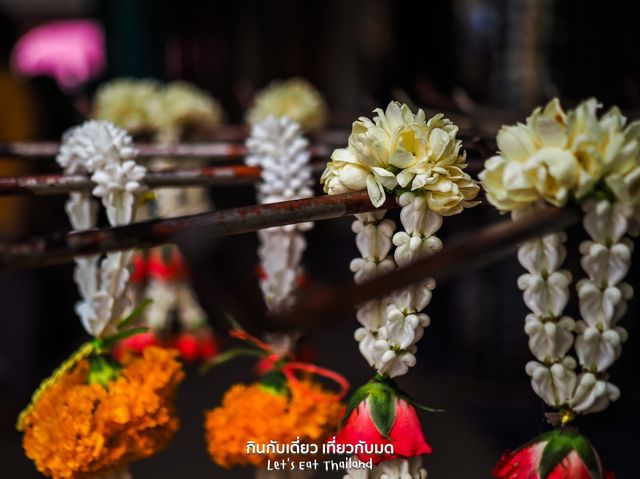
(422,163)
(555,159)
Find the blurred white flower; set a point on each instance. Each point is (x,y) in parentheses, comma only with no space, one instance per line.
(295,99)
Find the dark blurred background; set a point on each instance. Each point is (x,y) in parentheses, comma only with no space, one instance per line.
(485,59)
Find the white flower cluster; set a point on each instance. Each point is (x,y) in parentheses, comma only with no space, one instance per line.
(104,151)
(278,147)
(391,327)
(172,295)
(394,469)
(602,300)
(146,106)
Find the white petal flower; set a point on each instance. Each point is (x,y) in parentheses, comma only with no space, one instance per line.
(401,149)
(558,155)
(127,103)
(296,99)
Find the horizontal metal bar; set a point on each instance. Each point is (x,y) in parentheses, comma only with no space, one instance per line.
(61,248)
(317,304)
(218,151)
(39,185)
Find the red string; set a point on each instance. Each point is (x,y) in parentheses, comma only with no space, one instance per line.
(289,368)
(244,336)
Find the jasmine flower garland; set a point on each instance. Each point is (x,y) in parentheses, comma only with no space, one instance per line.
(422,163)
(278,147)
(557,158)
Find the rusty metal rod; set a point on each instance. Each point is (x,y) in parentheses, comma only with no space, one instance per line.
(218,151)
(462,253)
(61,248)
(41,185)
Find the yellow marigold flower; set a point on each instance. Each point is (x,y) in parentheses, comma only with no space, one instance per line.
(557,155)
(181,106)
(81,431)
(127,103)
(257,413)
(402,150)
(296,99)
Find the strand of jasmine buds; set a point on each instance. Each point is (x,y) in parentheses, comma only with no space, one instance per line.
(389,340)
(278,147)
(603,297)
(546,293)
(374,242)
(106,152)
(392,326)
(174,294)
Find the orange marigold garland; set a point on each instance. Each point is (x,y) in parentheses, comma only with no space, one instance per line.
(279,407)
(80,430)
(96,415)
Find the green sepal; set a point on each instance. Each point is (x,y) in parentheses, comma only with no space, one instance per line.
(405,396)
(355,399)
(588,455)
(558,447)
(229,355)
(561,443)
(133,315)
(276,382)
(103,369)
(382,401)
(382,397)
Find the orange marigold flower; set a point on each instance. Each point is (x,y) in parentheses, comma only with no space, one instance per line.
(256,413)
(78,430)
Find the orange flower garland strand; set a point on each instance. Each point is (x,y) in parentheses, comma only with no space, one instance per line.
(77,430)
(260,414)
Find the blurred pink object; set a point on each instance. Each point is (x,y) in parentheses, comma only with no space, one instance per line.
(71,51)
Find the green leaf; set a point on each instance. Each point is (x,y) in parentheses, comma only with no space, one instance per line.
(232,322)
(103,369)
(228,356)
(135,314)
(588,455)
(276,382)
(382,401)
(558,447)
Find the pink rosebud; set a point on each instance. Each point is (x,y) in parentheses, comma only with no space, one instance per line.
(559,454)
(377,415)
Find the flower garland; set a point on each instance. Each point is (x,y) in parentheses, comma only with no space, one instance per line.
(280,408)
(422,163)
(278,147)
(169,113)
(556,158)
(295,99)
(96,415)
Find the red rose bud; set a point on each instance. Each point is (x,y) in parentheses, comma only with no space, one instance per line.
(559,454)
(137,343)
(187,344)
(378,415)
(139,270)
(207,345)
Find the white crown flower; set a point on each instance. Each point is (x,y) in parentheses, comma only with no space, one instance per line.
(557,156)
(295,99)
(180,106)
(401,151)
(127,103)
